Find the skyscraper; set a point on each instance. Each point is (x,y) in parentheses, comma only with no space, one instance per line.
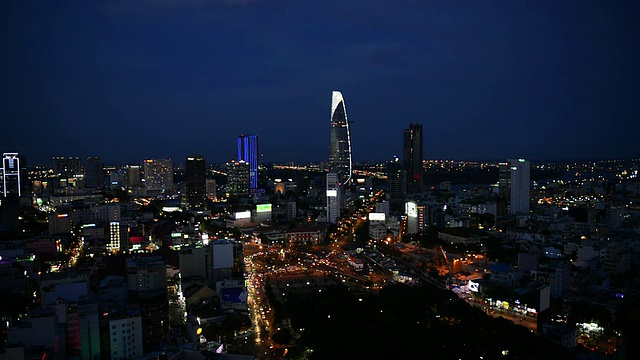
(333,197)
(11,184)
(158,176)
(248,152)
(397,183)
(519,183)
(66,166)
(93,172)
(413,157)
(196,183)
(237,178)
(340,140)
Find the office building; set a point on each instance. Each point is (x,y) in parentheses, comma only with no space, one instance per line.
(237,178)
(195,197)
(412,152)
(133,176)
(66,166)
(519,184)
(340,140)
(11,182)
(93,173)
(158,177)
(333,197)
(504,189)
(397,184)
(248,152)
(147,283)
(211,189)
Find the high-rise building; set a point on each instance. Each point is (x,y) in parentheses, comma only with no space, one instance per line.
(133,176)
(504,189)
(519,184)
(211,189)
(248,152)
(237,178)
(333,197)
(11,191)
(397,183)
(340,140)
(93,172)
(158,176)
(195,197)
(66,166)
(412,152)
(11,184)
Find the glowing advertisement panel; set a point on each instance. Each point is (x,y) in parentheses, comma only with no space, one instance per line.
(263,208)
(473,286)
(243,215)
(377,216)
(412,209)
(332,193)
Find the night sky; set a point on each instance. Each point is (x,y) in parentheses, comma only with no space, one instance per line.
(134,79)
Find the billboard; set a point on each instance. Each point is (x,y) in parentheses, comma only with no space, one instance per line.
(263,208)
(473,286)
(332,193)
(234,295)
(411,209)
(243,215)
(377,216)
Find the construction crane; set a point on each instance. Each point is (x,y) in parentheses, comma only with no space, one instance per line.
(446,259)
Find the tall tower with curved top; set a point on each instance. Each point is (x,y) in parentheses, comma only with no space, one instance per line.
(340,139)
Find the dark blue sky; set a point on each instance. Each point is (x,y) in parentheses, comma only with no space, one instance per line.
(134,79)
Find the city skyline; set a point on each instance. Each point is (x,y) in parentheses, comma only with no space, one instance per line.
(488,81)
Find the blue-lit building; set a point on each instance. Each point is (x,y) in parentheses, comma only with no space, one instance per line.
(248,152)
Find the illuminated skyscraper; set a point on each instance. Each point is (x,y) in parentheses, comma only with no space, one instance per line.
(248,152)
(237,179)
(11,174)
(196,184)
(413,157)
(158,176)
(340,140)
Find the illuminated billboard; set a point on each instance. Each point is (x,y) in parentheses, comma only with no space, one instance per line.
(263,208)
(377,217)
(473,286)
(243,215)
(332,193)
(411,208)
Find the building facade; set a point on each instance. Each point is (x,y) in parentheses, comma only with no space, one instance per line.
(333,197)
(158,175)
(195,197)
(519,184)
(248,152)
(412,152)
(340,140)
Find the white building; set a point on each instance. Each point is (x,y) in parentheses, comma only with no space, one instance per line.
(520,182)
(125,338)
(333,197)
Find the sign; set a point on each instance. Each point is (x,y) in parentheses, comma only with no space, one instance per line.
(263,208)
(377,216)
(243,215)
